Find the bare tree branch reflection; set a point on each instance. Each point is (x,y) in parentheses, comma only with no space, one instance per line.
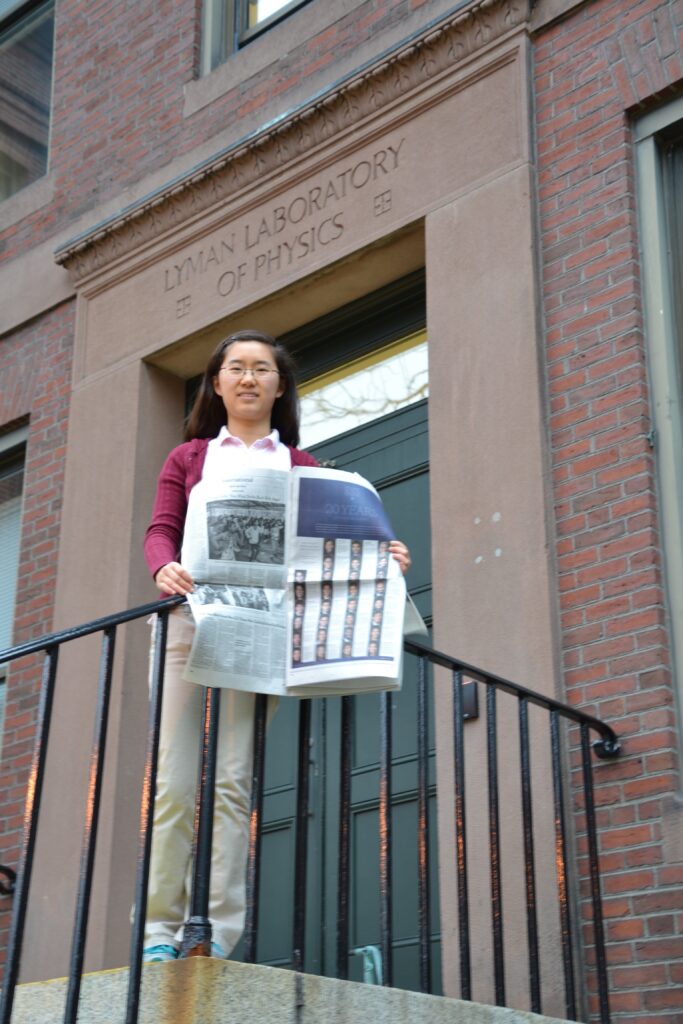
(367,395)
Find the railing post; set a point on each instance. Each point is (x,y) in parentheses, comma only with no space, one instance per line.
(34,790)
(423,887)
(494,847)
(197,929)
(385,839)
(343,871)
(301,848)
(91,823)
(561,861)
(461,838)
(147,814)
(255,817)
(598,929)
(529,865)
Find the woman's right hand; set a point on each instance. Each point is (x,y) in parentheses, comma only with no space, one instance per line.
(173,579)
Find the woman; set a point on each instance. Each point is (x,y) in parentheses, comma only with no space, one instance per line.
(246,414)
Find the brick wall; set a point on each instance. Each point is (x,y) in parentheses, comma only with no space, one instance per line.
(35,369)
(592,72)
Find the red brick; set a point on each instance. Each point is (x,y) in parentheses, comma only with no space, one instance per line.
(664,999)
(672,875)
(662,924)
(645,856)
(643,976)
(623,837)
(620,931)
(661,949)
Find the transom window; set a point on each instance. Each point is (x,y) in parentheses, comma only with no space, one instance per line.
(227,25)
(26,54)
(365,389)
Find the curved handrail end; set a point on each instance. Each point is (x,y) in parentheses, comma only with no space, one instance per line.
(607,749)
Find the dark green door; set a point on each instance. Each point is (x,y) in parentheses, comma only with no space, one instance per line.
(393,453)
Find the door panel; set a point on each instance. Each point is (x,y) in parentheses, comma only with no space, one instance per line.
(393,454)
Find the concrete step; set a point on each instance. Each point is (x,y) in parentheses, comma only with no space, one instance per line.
(202,990)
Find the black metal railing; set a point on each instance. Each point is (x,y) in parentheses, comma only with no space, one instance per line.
(197,938)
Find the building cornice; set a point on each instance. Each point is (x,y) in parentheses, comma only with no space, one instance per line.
(424,58)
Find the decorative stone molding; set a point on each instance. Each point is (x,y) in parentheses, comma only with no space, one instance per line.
(419,62)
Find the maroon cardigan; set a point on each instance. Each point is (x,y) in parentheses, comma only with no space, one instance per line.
(181,471)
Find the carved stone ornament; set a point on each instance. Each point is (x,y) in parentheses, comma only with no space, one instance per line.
(424,59)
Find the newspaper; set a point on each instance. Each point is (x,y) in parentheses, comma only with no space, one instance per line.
(295,590)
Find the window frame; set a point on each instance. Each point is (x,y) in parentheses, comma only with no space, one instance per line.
(12,12)
(12,449)
(651,133)
(225,30)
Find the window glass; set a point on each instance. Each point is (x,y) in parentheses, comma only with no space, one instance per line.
(365,389)
(672,159)
(26,48)
(11,483)
(3,701)
(259,10)
(12,450)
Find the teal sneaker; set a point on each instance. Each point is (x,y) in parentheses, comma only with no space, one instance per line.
(218,951)
(159,954)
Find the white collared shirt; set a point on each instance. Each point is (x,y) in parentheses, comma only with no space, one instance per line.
(227,453)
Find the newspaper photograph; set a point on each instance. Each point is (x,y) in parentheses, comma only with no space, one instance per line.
(240,637)
(295,589)
(235,530)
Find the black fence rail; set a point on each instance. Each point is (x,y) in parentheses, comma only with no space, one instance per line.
(197,933)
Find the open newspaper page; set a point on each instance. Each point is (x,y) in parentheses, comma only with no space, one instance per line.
(295,590)
(346,592)
(234,549)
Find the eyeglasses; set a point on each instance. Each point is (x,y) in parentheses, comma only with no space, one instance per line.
(257,372)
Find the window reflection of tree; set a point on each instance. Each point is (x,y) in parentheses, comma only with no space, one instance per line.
(364,397)
(322,406)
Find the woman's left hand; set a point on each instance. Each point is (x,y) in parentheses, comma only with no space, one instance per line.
(401,554)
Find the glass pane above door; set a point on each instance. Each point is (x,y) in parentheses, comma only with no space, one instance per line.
(364,389)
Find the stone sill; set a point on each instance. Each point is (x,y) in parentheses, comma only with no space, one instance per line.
(207,991)
(26,201)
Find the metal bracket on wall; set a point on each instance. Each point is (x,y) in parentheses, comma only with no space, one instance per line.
(470,699)
(7,888)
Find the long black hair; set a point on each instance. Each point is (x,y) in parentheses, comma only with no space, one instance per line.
(208,412)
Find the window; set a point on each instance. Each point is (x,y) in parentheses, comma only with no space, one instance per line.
(228,25)
(659,155)
(364,389)
(11,485)
(26,47)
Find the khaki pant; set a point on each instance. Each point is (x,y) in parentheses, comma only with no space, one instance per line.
(170,869)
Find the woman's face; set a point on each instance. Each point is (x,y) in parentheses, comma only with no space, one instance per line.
(248,397)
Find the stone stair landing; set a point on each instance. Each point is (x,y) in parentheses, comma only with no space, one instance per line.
(202,990)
